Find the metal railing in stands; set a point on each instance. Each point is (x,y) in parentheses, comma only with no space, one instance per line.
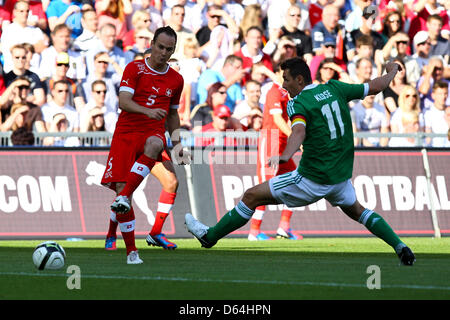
(242,138)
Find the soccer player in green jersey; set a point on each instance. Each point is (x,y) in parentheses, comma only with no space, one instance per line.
(321,122)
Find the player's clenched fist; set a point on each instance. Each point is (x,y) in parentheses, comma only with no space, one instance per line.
(157,114)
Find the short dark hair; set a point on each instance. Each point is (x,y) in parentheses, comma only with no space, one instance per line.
(297,67)
(167,30)
(22,137)
(440,85)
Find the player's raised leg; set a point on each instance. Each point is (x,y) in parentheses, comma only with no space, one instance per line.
(380,228)
(165,173)
(140,169)
(258,195)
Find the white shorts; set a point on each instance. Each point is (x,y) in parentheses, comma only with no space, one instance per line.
(295,190)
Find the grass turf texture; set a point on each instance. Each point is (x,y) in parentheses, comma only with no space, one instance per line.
(313,268)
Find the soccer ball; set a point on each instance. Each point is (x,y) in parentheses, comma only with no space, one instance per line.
(49,255)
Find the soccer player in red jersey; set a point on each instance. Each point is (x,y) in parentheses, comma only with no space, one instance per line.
(149,96)
(272,142)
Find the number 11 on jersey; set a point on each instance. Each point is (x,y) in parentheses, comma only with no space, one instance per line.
(327,112)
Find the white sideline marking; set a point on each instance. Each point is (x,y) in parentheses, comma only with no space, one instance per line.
(270,282)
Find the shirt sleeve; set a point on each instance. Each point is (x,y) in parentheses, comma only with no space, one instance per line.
(350,91)
(129,78)
(296,113)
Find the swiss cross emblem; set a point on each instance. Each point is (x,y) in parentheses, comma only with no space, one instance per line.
(169,92)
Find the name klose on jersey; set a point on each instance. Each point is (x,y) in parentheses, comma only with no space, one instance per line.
(386,192)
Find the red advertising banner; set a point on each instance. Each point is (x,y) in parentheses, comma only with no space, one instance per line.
(392,183)
(58,194)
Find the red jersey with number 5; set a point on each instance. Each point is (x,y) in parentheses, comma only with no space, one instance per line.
(150,89)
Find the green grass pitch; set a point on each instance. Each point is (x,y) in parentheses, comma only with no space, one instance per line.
(313,268)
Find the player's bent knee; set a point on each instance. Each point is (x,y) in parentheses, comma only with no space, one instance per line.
(153,147)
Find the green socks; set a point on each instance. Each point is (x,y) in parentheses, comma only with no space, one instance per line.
(379,227)
(230,222)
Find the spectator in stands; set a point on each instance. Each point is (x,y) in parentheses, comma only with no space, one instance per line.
(191,67)
(397,48)
(96,120)
(276,15)
(61,43)
(5,18)
(364,49)
(315,10)
(329,28)
(201,114)
(141,19)
(252,95)
(303,43)
(214,14)
(192,21)
(392,92)
(253,16)
(101,62)
(328,49)
(366,29)
(254,120)
(265,77)
(423,9)
(17,93)
(422,46)
(432,73)
(371,117)
(114,12)
(60,123)
(22,137)
(218,48)
(176,23)
(408,101)
(58,105)
(98,100)
(36,16)
(439,45)
(155,14)
(33,58)
(435,117)
(76,94)
(221,122)
(117,61)
(364,71)
(143,38)
(251,52)
(392,24)
(67,13)
(88,38)
(230,75)
(19,32)
(328,70)
(16,119)
(353,21)
(410,123)
(18,53)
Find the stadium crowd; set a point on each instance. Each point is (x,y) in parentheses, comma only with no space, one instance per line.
(62,61)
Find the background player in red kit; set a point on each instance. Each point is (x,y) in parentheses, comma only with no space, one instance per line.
(272,142)
(149,96)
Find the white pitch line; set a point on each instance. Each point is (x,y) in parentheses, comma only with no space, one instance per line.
(245,281)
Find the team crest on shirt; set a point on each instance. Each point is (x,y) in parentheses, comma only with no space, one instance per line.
(169,92)
(141,66)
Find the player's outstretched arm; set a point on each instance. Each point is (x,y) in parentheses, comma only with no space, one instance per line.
(379,84)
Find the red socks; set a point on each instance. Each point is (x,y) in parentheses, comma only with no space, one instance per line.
(165,203)
(255,222)
(127,224)
(112,226)
(138,172)
(285,219)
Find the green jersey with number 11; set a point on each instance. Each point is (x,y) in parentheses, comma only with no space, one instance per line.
(328,150)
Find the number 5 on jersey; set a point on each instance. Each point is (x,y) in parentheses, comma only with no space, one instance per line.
(327,112)
(151,100)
